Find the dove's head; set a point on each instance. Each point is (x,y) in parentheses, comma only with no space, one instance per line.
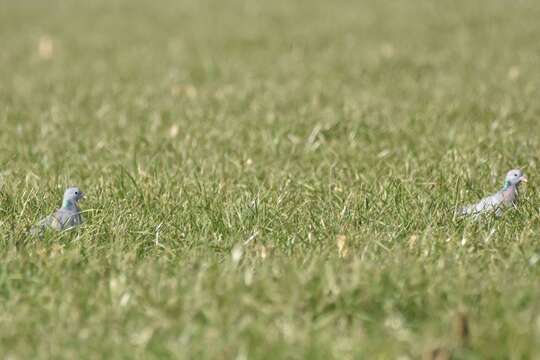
(71,196)
(514,178)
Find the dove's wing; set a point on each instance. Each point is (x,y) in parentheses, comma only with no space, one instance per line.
(61,219)
(487,204)
(68,218)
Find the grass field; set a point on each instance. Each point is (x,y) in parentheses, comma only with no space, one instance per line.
(269,179)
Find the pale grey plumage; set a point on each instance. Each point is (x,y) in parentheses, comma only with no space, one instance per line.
(66,217)
(506,197)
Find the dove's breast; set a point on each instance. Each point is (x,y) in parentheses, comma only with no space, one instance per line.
(509,196)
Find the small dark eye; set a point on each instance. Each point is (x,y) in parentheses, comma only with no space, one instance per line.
(76,193)
(515,174)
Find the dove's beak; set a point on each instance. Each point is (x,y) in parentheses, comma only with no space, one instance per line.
(523,179)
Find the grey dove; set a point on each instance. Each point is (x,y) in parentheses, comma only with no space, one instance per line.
(66,217)
(504,198)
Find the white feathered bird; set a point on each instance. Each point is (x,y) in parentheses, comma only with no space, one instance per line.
(504,198)
(66,217)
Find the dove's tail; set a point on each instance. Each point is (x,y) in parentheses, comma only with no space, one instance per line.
(39,228)
(467,211)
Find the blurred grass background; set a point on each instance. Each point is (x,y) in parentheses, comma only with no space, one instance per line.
(269,179)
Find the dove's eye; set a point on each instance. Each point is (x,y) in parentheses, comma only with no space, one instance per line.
(76,193)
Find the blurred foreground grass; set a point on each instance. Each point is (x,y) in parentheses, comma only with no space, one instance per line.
(232,151)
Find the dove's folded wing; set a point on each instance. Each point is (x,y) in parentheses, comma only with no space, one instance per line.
(488,204)
(68,218)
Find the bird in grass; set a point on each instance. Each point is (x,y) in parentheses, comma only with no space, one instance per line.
(66,217)
(504,198)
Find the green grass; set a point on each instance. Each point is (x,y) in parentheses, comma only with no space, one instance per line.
(225,146)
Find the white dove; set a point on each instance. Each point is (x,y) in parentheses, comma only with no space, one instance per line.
(66,217)
(504,198)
